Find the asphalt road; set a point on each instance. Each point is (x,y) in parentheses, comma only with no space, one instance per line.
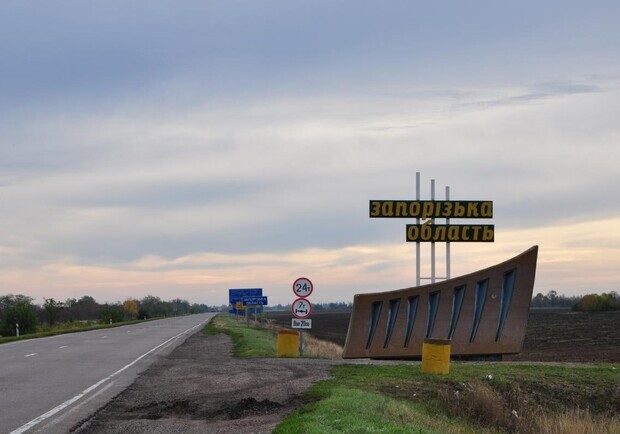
(50,384)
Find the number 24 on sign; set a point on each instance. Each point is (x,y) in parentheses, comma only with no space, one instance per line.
(302,287)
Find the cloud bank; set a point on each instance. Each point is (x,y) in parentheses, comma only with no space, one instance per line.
(186,149)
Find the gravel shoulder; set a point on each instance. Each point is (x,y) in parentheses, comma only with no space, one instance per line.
(200,387)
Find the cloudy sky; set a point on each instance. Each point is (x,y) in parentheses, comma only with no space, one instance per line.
(184,148)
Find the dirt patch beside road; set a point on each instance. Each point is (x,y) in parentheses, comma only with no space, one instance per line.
(200,387)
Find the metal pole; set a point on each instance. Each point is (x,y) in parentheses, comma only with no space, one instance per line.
(417,244)
(17,329)
(448,243)
(301,343)
(433,243)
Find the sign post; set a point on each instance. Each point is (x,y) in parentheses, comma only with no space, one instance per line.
(239,308)
(254,302)
(235,299)
(302,308)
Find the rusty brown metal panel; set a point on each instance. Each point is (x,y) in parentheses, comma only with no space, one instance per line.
(502,319)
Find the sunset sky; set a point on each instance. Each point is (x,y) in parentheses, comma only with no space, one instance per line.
(183,148)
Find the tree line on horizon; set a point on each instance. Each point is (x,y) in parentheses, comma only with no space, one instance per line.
(580,303)
(341,305)
(20,309)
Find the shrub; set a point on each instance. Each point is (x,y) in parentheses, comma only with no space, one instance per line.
(131,308)
(598,303)
(111,313)
(22,314)
(475,402)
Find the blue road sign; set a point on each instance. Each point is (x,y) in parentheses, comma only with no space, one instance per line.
(236,295)
(255,301)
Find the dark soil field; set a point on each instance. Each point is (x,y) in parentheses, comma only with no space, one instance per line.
(551,335)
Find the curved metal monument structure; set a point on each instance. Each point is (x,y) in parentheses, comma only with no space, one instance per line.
(482,313)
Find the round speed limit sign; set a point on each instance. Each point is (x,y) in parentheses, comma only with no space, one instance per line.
(301,308)
(302,287)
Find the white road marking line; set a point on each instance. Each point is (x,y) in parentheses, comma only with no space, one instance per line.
(104,337)
(74,409)
(64,346)
(30,355)
(68,402)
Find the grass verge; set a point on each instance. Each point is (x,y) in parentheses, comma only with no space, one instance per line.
(68,328)
(473,398)
(247,341)
(261,339)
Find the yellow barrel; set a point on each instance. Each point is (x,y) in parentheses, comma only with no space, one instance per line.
(436,356)
(288,343)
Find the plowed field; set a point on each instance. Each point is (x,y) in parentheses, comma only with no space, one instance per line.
(551,335)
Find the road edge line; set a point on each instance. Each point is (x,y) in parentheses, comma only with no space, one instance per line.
(86,391)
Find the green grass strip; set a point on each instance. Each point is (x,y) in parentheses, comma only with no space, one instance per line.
(247,341)
(472,398)
(346,410)
(400,398)
(62,330)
